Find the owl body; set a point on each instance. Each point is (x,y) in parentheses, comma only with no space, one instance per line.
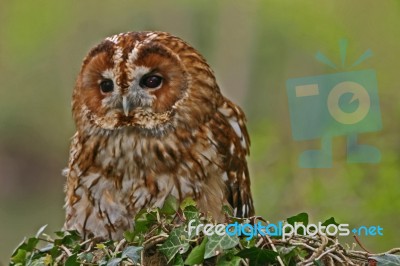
(151,122)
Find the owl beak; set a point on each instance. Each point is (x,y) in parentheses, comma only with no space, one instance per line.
(125,105)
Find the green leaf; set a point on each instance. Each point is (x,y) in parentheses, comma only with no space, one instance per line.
(70,239)
(191,213)
(258,256)
(318,263)
(72,260)
(228,210)
(19,257)
(41,230)
(114,262)
(171,205)
(132,253)
(86,257)
(387,260)
(196,256)
(229,259)
(55,252)
(217,244)
(288,254)
(129,235)
(330,221)
(176,242)
(21,245)
(299,218)
(187,202)
(100,246)
(178,261)
(42,261)
(60,233)
(31,244)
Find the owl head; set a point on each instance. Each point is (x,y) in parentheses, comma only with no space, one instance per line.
(150,82)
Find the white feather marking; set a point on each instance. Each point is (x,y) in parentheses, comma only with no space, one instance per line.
(236,127)
(133,54)
(108,74)
(225,176)
(244,176)
(117,57)
(114,38)
(232,148)
(244,209)
(149,37)
(139,71)
(65,172)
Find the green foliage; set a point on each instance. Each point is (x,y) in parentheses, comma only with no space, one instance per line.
(178,241)
(258,256)
(166,230)
(387,260)
(196,256)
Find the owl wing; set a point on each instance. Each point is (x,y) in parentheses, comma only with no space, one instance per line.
(234,143)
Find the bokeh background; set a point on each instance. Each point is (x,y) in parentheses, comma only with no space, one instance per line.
(254,47)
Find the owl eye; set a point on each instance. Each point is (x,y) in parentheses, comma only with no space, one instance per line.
(151,81)
(106,85)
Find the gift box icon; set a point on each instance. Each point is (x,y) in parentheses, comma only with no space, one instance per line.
(339,104)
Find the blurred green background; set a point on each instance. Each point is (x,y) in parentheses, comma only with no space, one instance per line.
(253,47)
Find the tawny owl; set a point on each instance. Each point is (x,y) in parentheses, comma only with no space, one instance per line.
(151,121)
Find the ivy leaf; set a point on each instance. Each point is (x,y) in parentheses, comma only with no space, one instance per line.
(72,260)
(228,210)
(114,262)
(129,235)
(171,205)
(42,261)
(47,259)
(330,221)
(196,256)
(229,259)
(86,257)
(70,239)
(191,213)
(132,253)
(19,257)
(258,256)
(31,244)
(55,252)
(288,254)
(217,244)
(387,260)
(20,246)
(178,261)
(176,242)
(187,202)
(60,233)
(299,218)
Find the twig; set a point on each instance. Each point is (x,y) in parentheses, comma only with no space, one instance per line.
(120,244)
(360,244)
(274,249)
(154,240)
(69,253)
